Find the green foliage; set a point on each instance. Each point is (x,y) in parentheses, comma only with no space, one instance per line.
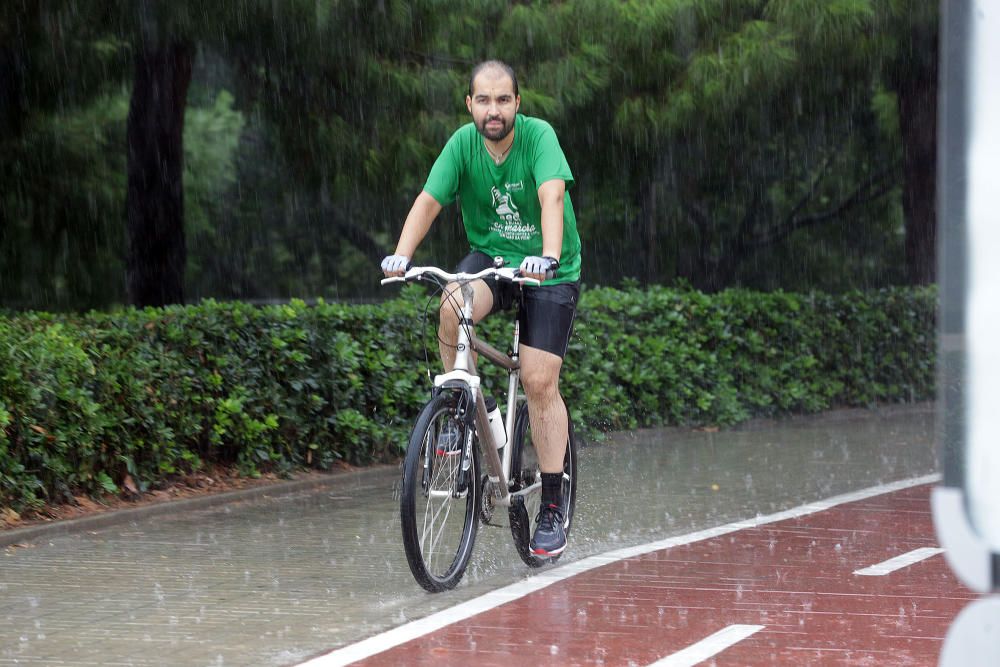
(62,243)
(87,399)
(62,238)
(740,133)
(211,136)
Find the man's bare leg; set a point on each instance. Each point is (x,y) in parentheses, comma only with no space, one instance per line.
(549,434)
(546,409)
(451,311)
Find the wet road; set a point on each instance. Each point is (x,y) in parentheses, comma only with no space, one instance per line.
(274,581)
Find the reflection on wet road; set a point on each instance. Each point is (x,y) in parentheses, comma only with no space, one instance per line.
(272,582)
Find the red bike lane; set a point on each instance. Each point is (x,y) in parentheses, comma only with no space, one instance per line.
(800,590)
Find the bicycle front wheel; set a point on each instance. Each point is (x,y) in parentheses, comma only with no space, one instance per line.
(526,474)
(438,505)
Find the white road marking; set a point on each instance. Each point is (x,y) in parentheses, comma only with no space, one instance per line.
(899,562)
(414,629)
(709,646)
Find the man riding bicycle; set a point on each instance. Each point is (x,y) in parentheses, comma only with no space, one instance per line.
(511,177)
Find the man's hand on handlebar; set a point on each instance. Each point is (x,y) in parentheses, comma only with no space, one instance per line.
(395,265)
(539,268)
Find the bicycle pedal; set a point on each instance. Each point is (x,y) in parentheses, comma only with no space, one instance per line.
(518,515)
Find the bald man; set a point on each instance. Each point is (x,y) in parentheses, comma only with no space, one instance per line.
(512,178)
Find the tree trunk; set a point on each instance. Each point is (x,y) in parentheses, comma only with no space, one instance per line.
(651,270)
(652,201)
(157,253)
(12,107)
(916,88)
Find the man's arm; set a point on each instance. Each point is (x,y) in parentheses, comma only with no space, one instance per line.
(551,195)
(418,221)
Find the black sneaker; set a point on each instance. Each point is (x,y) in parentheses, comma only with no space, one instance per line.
(550,537)
(449,440)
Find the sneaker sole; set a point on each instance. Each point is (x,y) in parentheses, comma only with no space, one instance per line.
(542,552)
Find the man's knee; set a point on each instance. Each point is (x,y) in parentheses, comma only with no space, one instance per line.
(448,316)
(540,382)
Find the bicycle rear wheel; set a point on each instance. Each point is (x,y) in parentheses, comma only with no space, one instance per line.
(525,472)
(438,504)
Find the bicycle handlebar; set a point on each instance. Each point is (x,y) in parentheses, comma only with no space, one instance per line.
(504,274)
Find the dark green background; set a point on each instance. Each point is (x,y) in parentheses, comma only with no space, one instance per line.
(764,144)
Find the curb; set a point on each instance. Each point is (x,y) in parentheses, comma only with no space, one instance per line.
(24,535)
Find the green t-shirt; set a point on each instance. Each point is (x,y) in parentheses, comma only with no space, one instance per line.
(500,207)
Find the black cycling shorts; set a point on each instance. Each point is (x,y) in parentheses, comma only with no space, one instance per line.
(546,313)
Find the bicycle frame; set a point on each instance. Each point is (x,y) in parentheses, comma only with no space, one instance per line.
(465,373)
(465,376)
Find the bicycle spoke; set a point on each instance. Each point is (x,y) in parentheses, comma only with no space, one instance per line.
(434,524)
(431,517)
(438,527)
(436,537)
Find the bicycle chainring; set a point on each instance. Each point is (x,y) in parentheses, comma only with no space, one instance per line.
(487,503)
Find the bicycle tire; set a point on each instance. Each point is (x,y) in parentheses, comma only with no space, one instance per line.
(524,472)
(437,544)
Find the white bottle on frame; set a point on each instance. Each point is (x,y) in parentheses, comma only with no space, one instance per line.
(496,423)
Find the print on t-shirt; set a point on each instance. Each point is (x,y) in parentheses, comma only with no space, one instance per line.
(509,224)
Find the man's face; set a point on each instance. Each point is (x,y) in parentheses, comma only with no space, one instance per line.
(493,104)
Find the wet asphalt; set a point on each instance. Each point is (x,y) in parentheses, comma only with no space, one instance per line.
(278,578)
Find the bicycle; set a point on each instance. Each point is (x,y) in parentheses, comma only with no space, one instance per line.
(440,478)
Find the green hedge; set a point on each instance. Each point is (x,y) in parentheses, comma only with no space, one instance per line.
(88,401)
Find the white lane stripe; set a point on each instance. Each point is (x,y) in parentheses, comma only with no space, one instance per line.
(709,646)
(899,562)
(419,628)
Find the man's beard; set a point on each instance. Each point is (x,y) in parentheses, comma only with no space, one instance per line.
(498,134)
